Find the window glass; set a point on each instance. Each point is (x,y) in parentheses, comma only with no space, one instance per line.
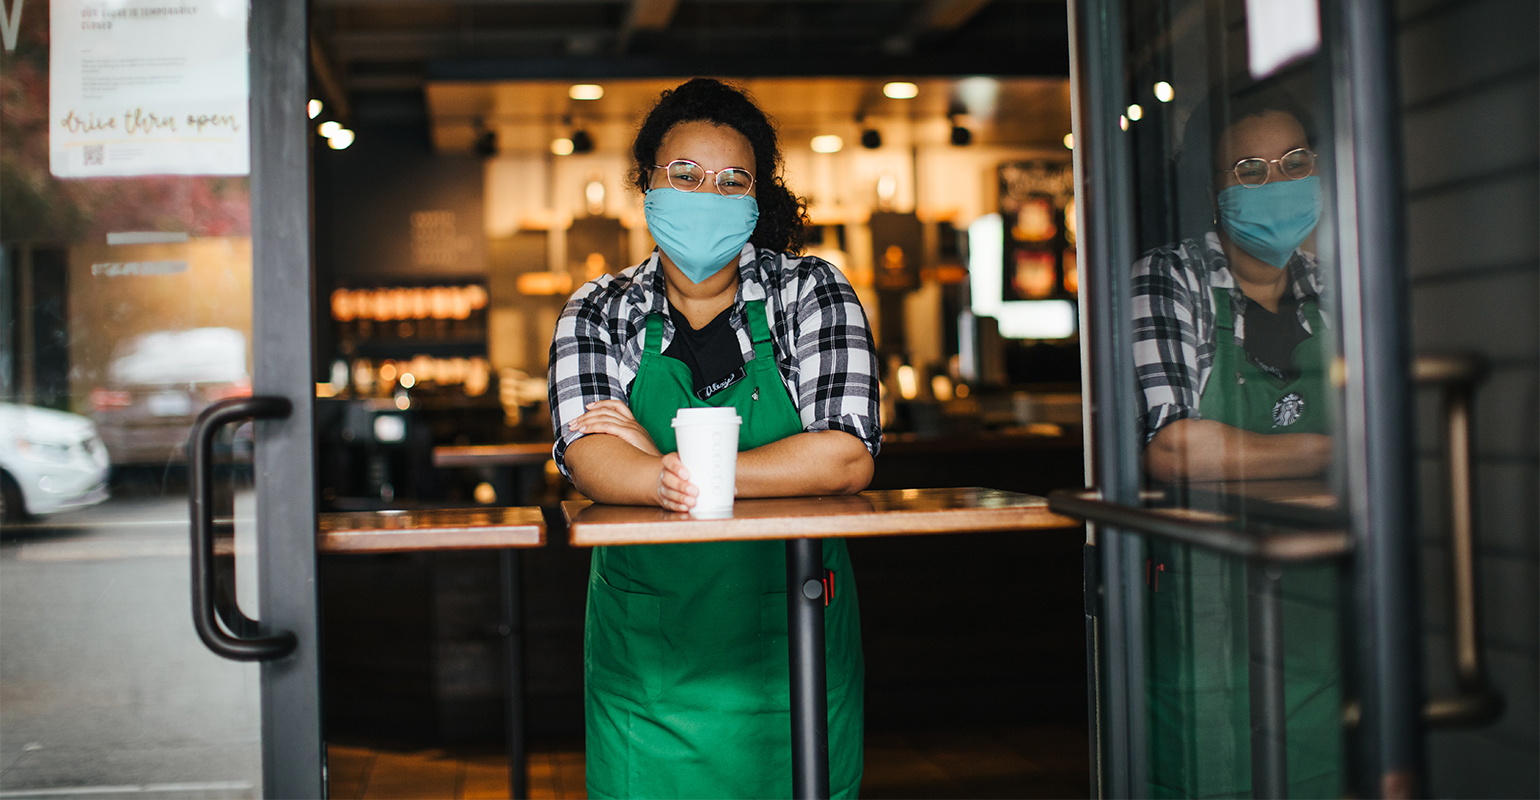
(1231,306)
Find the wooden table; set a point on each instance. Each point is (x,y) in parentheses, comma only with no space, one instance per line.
(399,531)
(804,522)
(502,529)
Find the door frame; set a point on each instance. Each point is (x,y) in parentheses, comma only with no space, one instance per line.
(1362,96)
(293,742)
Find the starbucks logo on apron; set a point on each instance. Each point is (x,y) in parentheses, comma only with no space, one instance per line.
(1287,410)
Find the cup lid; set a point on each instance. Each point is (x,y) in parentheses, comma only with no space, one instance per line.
(709,415)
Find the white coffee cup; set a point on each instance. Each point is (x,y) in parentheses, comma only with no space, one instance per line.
(708,446)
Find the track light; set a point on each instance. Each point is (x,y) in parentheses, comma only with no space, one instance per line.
(961,136)
(582,142)
(871,139)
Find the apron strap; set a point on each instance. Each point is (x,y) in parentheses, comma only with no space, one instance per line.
(759,330)
(653,343)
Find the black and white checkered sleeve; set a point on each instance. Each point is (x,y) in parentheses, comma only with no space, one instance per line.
(585,361)
(835,360)
(1168,334)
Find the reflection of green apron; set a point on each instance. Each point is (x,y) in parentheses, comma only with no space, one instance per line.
(685,651)
(1199,701)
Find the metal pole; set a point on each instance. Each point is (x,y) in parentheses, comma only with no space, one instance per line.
(809,695)
(513,673)
(1269,735)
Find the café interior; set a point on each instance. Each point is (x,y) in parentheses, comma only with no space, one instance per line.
(503,196)
(447,251)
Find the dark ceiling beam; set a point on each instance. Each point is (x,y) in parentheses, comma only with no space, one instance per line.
(332,92)
(421,45)
(1046,58)
(932,17)
(645,15)
(389,82)
(948,15)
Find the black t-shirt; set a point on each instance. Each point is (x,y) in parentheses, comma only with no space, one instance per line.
(1271,338)
(711,353)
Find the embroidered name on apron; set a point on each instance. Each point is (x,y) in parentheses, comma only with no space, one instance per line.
(705,392)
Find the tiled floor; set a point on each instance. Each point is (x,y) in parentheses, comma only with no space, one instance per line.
(1037,761)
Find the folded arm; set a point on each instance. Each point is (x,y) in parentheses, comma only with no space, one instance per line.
(1205,450)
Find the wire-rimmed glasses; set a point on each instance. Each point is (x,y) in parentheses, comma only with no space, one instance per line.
(1293,165)
(687,176)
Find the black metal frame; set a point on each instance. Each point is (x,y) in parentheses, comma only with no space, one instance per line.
(1359,51)
(1359,37)
(293,746)
(1115,653)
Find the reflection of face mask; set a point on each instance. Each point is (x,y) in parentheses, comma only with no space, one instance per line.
(1273,219)
(702,232)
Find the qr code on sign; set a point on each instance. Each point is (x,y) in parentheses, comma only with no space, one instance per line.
(94,157)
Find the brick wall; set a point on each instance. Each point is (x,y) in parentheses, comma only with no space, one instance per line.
(1470,80)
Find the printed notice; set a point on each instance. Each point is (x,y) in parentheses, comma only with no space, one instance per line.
(148,87)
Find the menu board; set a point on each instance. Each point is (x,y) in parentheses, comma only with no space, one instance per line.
(148,87)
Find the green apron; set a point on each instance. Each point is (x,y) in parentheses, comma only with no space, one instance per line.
(685,651)
(1199,701)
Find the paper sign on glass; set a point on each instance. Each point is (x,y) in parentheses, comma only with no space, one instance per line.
(148,87)
(1280,32)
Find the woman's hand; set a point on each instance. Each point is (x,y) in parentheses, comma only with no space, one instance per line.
(675,492)
(614,417)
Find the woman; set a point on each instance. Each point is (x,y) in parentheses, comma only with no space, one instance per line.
(1230,349)
(685,644)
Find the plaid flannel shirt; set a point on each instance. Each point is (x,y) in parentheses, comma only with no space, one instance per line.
(823,347)
(1173,310)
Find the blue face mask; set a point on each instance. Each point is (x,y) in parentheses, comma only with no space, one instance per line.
(1273,219)
(701,232)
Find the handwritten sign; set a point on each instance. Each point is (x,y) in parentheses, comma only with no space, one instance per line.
(148,87)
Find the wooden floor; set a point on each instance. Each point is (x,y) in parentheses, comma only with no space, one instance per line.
(1037,761)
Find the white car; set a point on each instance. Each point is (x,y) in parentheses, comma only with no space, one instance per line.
(49,461)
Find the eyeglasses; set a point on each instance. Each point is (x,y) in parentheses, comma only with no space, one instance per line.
(1253,172)
(687,176)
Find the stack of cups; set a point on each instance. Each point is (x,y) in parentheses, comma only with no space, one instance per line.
(708,446)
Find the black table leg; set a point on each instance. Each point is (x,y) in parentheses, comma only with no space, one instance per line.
(1269,750)
(513,657)
(809,697)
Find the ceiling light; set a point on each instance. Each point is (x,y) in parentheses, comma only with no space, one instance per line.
(1123,122)
(1069,141)
(1136,112)
(871,139)
(561,147)
(585,91)
(1164,92)
(340,140)
(329,128)
(827,143)
(313,108)
(901,90)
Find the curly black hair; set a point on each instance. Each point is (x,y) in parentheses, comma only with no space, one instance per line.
(782,215)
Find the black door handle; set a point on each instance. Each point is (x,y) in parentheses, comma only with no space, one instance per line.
(200,446)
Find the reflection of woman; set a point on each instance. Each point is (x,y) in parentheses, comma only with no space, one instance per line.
(685,648)
(1226,328)
(1230,356)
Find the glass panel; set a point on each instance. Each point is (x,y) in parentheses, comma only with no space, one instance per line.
(1231,307)
(125,303)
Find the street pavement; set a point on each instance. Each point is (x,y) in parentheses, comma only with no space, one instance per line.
(105,689)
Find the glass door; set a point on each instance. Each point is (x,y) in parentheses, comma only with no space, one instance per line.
(154,280)
(1254,613)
